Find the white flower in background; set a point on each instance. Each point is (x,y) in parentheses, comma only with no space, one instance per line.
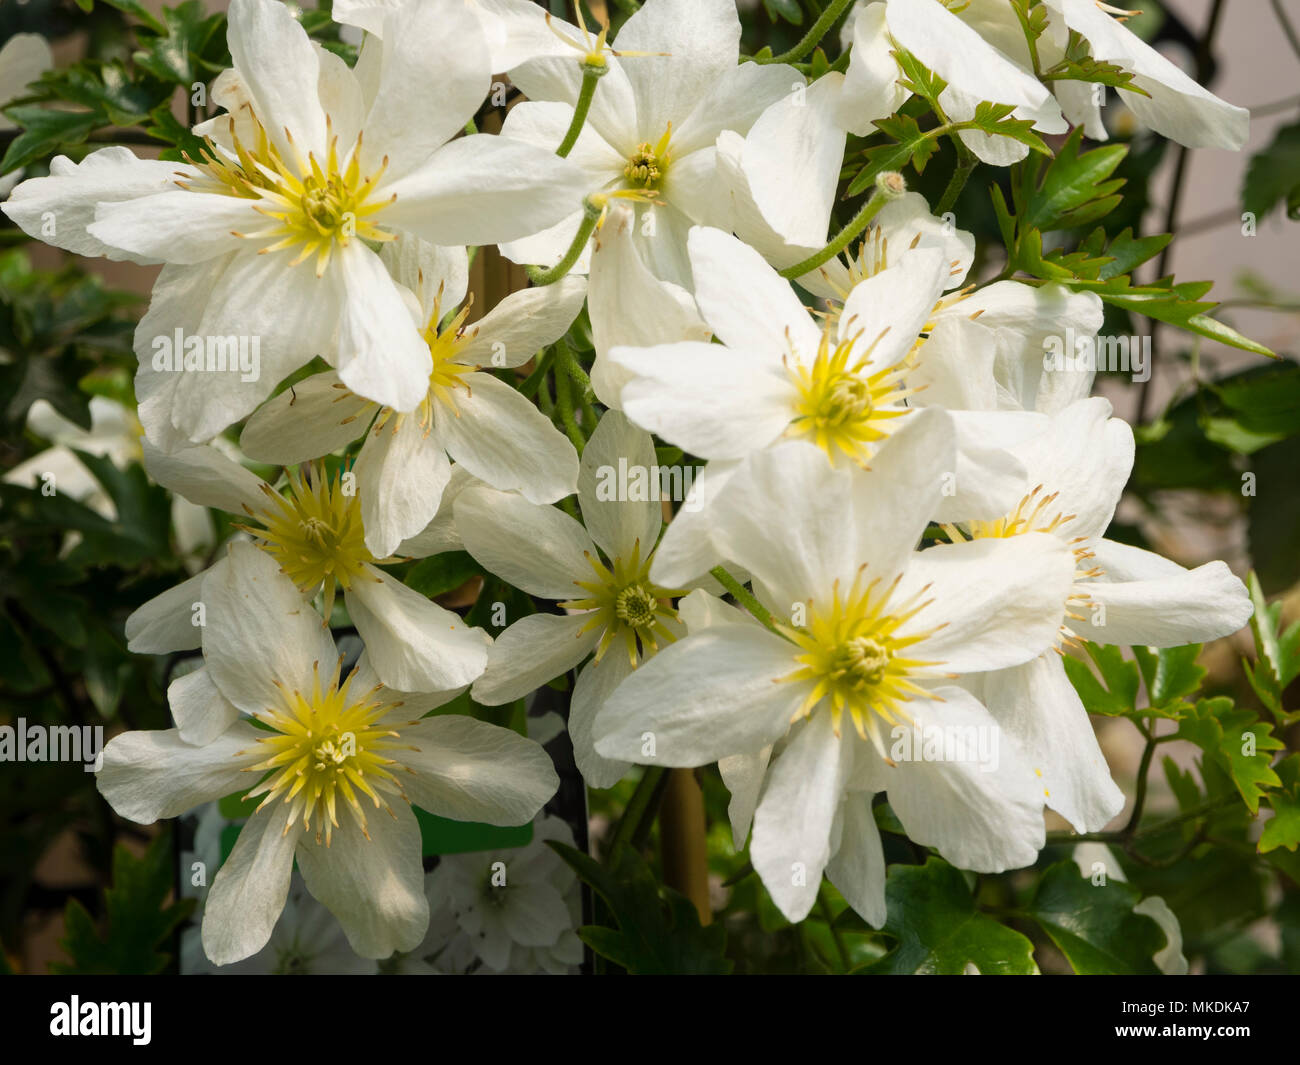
(307,941)
(515,911)
(268,237)
(1175,106)
(114,434)
(486,426)
(337,764)
(1169,959)
(974,67)
(515,31)
(653,123)
(871,632)
(1119,595)
(23,59)
(844,384)
(599,574)
(316,534)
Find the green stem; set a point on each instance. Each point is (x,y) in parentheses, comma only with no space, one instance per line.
(843,238)
(961,173)
(564,404)
(745,598)
(590,75)
(534,380)
(590,216)
(637,807)
(816,32)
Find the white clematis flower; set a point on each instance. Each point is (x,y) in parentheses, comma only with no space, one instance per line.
(650,134)
(268,237)
(23,59)
(114,434)
(1175,106)
(975,69)
(875,631)
(330,747)
(316,534)
(514,911)
(600,574)
(488,428)
(1119,595)
(844,383)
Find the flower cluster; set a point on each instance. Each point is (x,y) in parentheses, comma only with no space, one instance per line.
(905,505)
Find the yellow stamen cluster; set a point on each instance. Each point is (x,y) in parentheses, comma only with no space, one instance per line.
(854,655)
(1035,513)
(647,167)
(626,605)
(314,204)
(841,407)
(315,533)
(325,745)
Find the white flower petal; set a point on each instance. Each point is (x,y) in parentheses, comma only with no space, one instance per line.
(147,776)
(595,685)
(205,476)
(483,190)
(538,549)
(984,821)
(163,624)
(262,637)
(531,652)
(248,892)
(702,698)
(199,709)
(381,353)
(469,770)
(58,209)
(620,527)
(743,776)
(374,885)
(505,441)
(401,473)
(1193,606)
(315,417)
(871,85)
(281,70)
(523,323)
(1037,706)
(714,401)
(857,868)
(750,307)
(792,825)
(414,644)
(1000,601)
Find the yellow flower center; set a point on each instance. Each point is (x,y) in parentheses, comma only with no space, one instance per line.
(313,205)
(315,532)
(853,653)
(327,745)
(626,605)
(647,167)
(842,407)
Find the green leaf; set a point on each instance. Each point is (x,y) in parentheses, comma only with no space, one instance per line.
(1072,184)
(1283,829)
(1237,741)
(1273,176)
(1094,925)
(1118,695)
(173,55)
(938,929)
(45,132)
(439,574)
(1170,673)
(137,921)
(786,10)
(658,930)
(1277,661)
